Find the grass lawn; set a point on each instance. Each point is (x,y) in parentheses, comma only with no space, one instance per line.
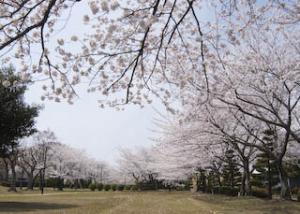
(86,202)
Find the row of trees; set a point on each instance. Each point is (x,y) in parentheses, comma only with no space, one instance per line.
(234,71)
(252,111)
(249,117)
(181,162)
(36,156)
(238,86)
(40,160)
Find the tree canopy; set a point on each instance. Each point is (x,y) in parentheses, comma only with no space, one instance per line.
(17,119)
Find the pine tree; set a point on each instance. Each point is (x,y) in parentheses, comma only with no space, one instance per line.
(16,117)
(231,173)
(266,171)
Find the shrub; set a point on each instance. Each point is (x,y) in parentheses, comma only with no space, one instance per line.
(107,187)
(120,187)
(260,193)
(114,187)
(134,188)
(100,187)
(295,190)
(181,187)
(92,187)
(298,196)
(127,187)
(5,184)
(226,190)
(146,186)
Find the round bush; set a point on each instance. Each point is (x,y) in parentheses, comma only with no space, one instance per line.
(92,187)
(107,187)
(100,187)
(260,193)
(127,187)
(114,187)
(226,190)
(133,188)
(120,187)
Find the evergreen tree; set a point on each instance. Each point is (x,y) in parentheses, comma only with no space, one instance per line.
(266,175)
(231,173)
(293,172)
(16,117)
(266,171)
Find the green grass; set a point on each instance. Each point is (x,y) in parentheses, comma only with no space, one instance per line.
(137,203)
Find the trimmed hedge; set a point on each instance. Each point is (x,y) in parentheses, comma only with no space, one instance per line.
(260,193)
(107,187)
(134,188)
(92,187)
(100,187)
(127,187)
(226,190)
(5,184)
(120,187)
(295,190)
(113,187)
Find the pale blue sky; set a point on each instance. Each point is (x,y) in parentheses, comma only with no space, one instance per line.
(99,131)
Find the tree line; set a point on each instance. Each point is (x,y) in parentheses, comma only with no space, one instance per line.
(36,158)
(229,78)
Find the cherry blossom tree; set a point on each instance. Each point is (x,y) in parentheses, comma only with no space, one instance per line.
(44,141)
(100,171)
(159,46)
(138,165)
(28,161)
(74,165)
(62,163)
(263,87)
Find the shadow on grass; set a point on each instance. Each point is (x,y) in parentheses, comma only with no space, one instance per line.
(31,206)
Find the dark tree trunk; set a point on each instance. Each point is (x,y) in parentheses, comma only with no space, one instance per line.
(30,183)
(231,178)
(60,184)
(285,192)
(42,181)
(219,180)
(80,184)
(243,188)
(6,170)
(246,175)
(13,176)
(270,193)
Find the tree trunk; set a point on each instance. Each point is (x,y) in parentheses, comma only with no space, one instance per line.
(285,193)
(60,184)
(219,180)
(194,183)
(42,180)
(247,184)
(30,181)
(13,176)
(270,194)
(6,169)
(202,182)
(247,177)
(80,184)
(243,184)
